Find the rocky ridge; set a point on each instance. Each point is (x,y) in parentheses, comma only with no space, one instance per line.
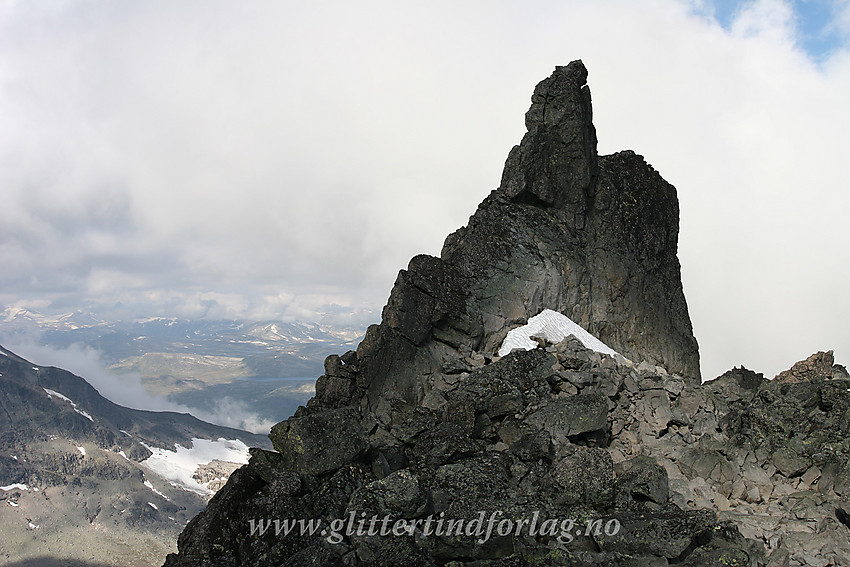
(76,482)
(627,464)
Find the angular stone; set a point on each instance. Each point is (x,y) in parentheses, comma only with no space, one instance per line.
(265,463)
(585,476)
(320,443)
(789,463)
(398,494)
(531,446)
(409,424)
(640,480)
(810,476)
(563,418)
(667,534)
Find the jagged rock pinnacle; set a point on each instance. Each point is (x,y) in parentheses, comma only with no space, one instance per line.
(556,162)
(593,238)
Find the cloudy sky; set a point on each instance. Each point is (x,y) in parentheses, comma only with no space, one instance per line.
(269,160)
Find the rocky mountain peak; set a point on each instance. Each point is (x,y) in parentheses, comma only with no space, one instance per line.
(556,162)
(594,238)
(603,426)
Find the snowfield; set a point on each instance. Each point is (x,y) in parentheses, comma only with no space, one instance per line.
(554,327)
(178,466)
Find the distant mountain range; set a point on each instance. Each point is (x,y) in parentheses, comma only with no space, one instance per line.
(268,366)
(96,480)
(287,350)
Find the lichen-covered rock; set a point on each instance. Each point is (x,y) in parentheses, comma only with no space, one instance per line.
(641,484)
(567,417)
(319,443)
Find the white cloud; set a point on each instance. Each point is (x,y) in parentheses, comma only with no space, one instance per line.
(204,156)
(123,389)
(230,412)
(840,23)
(767,20)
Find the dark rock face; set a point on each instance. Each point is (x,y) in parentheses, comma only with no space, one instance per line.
(571,457)
(592,237)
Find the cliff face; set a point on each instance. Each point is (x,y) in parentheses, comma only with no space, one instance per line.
(424,423)
(592,237)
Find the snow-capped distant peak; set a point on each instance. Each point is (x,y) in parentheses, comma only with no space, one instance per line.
(554,327)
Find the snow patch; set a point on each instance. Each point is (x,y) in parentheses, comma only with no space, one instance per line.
(123,454)
(178,466)
(82,450)
(152,505)
(554,327)
(154,490)
(85,414)
(16,486)
(13,504)
(50,393)
(33,526)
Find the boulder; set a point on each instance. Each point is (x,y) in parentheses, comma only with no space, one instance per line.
(319,443)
